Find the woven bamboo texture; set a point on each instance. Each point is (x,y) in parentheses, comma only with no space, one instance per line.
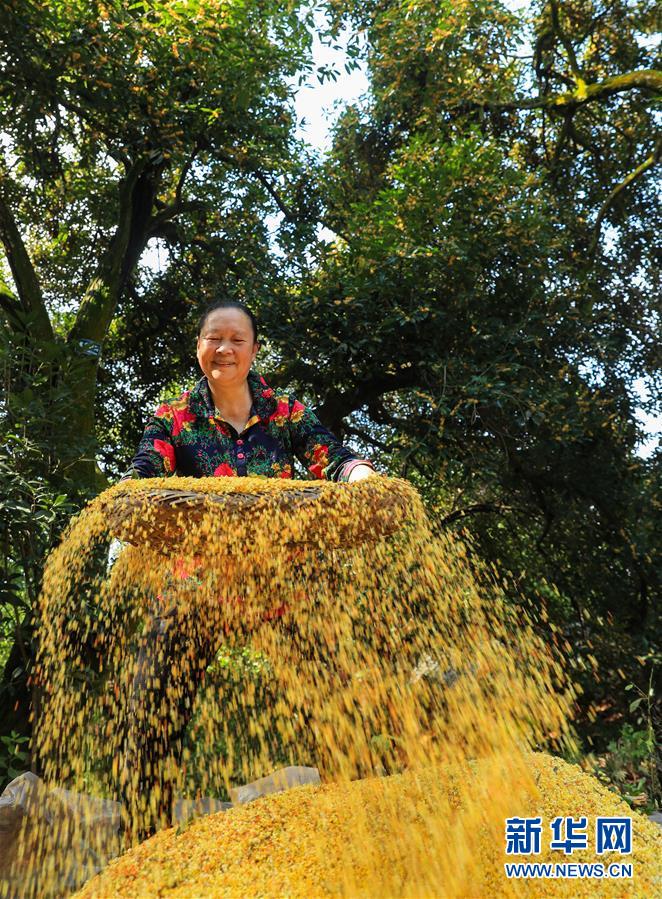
(163,518)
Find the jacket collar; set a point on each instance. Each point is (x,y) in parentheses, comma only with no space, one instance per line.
(264,398)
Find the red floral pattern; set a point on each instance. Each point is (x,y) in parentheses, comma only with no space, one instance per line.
(320,456)
(186,436)
(282,413)
(224,471)
(167,452)
(178,413)
(281,470)
(297,411)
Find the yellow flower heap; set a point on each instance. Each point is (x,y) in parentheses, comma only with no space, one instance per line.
(399,670)
(382,837)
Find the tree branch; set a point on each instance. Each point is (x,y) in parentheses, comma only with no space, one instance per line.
(562,140)
(289,214)
(641,79)
(338,404)
(25,278)
(186,168)
(170,232)
(368,438)
(626,182)
(98,304)
(168,212)
(14,312)
(567,44)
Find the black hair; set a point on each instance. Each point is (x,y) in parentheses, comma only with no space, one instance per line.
(228,304)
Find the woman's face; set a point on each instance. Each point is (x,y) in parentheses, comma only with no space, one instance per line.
(226,348)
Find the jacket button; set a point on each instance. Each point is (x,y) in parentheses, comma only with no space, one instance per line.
(240,455)
(240,442)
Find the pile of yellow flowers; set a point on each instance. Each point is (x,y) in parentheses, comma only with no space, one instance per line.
(391,652)
(411,834)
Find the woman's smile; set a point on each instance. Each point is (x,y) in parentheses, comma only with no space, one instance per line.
(227,345)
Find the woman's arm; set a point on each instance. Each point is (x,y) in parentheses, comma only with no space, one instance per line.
(320,451)
(155,456)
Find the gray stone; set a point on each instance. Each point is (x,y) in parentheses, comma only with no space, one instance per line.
(283,779)
(20,799)
(185,809)
(656,818)
(34,820)
(53,841)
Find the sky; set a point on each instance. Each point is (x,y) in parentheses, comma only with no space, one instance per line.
(316,104)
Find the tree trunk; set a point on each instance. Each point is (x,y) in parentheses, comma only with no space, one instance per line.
(78,438)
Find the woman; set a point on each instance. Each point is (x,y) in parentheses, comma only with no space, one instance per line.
(230,424)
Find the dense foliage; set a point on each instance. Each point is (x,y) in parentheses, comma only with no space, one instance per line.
(476,312)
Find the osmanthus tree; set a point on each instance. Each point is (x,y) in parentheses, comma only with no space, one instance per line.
(476,319)
(490,297)
(549,120)
(123,123)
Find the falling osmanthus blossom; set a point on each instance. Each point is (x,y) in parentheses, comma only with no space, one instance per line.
(399,668)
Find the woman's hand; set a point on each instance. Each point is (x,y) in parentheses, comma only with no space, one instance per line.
(359,472)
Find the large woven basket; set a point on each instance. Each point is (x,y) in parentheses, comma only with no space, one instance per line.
(164,519)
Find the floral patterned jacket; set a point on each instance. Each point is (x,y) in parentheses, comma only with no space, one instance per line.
(187,437)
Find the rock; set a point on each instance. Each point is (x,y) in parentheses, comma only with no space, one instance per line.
(53,841)
(21,798)
(185,809)
(656,818)
(84,829)
(283,779)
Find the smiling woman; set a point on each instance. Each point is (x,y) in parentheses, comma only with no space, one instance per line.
(232,423)
(227,347)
